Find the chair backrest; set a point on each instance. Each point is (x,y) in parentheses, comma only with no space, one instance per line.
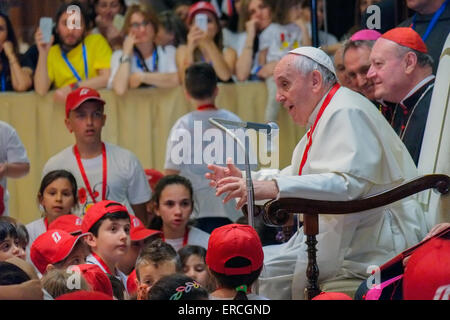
(435,152)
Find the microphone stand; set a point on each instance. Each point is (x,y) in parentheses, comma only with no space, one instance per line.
(248,175)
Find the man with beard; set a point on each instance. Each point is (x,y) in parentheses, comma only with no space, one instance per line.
(76,60)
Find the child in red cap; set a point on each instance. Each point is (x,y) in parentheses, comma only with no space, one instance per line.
(102,170)
(108,226)
(57,249)
(235,258)
(139,236)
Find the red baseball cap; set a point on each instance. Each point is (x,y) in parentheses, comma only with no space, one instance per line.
(427,274)
(131,282)
(96,278)
(84,295)
(230,241)
(77,97)
(68,222)
(52,247)
(199,7)
(98,210)
(138,231)
(153,176)
(332,296)
(406,37)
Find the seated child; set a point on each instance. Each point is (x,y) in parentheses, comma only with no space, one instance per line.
(177,287)
(57,196)
(156,260)
(139,236)
(55,282)
(235,259)
(192,264)
(9,241)
(173,205)
(108,226)
(57,249)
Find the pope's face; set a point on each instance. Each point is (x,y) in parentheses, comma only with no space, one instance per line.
(294,90)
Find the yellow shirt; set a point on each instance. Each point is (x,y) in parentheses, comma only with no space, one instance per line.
(98,54)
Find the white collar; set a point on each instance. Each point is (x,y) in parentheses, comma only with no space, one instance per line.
(417,87)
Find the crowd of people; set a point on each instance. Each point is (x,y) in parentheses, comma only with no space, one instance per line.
(132,233)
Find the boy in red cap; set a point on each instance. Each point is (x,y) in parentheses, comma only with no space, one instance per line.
(108,226)
(235,258)
(402,72)
(139,236)
(102,170)
(57,249)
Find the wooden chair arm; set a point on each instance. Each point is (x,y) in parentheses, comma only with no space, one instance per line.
(276,212)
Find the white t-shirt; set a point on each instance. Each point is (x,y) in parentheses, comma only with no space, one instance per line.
(11,151)
(126,180)
(234,40)
(196,237)
(164,63)
(279,40)
(193,166)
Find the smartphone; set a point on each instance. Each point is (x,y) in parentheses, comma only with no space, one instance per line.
(118,21)
(46,25)
(201,20)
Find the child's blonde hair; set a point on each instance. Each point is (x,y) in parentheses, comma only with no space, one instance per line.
(59,281)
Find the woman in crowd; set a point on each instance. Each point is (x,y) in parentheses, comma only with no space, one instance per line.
(206,45)
(141,61)
(173,205)
(12,76)
(105,13)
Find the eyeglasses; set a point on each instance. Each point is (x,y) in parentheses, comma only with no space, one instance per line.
(137,25)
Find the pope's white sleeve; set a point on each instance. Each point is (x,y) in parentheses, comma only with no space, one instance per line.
(324,186)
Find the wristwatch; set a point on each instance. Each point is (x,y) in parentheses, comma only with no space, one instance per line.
(124,59)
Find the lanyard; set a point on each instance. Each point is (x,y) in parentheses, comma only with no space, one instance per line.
(311,131)
(83,172)
(185,237)
(46,223)
(75,73)
(102,263)
(205,107)
(433,21)
(3,81)
(154,62)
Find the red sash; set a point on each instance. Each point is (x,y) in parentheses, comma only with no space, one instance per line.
(311,130)
(83,172)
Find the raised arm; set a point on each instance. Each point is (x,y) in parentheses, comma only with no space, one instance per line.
(245,60)
(21,80)
(41,80)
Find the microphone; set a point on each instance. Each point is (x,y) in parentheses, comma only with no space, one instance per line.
(269,127)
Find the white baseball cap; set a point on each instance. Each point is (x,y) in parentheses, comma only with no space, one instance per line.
(317,55)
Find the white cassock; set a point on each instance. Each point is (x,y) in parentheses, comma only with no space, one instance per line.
(354,153)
